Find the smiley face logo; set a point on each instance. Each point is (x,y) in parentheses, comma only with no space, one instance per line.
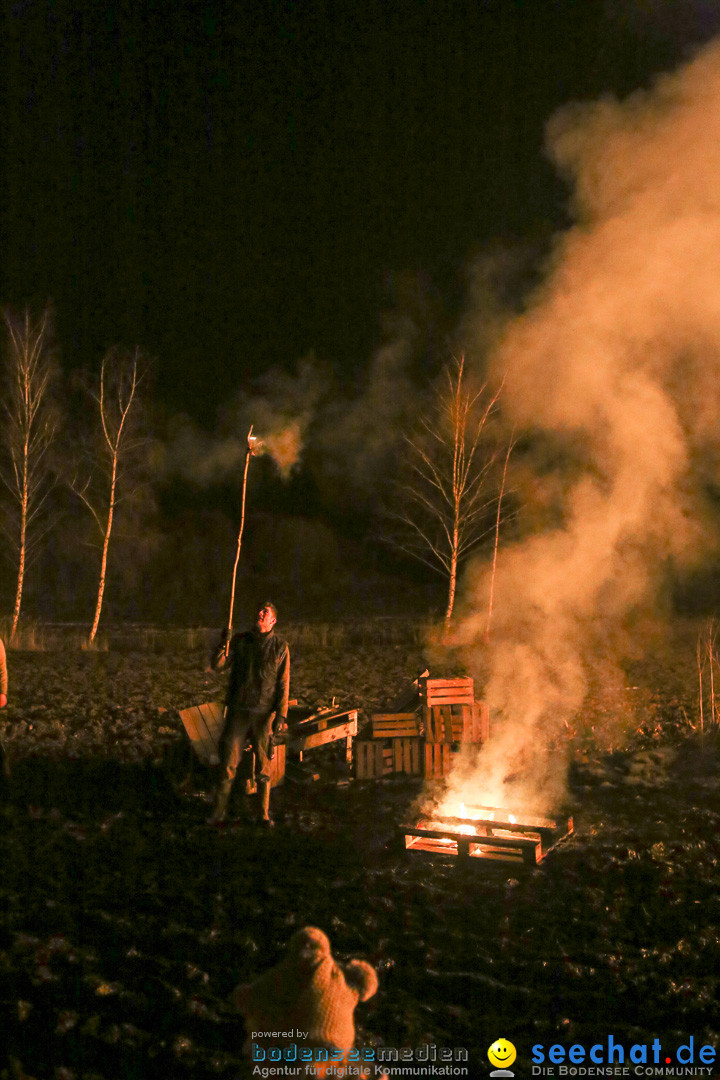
(502,1053)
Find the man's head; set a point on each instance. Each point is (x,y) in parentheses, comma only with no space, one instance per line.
(266,617)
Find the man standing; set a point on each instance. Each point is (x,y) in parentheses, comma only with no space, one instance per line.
(256,705)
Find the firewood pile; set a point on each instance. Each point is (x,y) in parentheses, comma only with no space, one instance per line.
(429,726)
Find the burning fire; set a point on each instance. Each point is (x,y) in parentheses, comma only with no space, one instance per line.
(460,810)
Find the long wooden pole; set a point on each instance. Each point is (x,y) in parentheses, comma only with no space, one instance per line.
(248,455)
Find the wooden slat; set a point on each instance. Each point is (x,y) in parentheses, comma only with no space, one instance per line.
(460,696)
(439,684)
(322,738)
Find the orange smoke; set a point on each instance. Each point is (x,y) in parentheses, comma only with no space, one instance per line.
(615,367)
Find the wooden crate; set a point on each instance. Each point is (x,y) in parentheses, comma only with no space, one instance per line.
(204,724)
(394,725)
(373,759)
(447,692)
(450,712)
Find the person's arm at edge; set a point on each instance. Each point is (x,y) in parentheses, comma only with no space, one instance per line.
(3,675)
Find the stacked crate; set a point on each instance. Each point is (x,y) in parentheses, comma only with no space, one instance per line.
(452,718)
(423,743)
(394,747)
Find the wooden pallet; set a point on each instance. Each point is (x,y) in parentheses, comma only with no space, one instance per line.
(491,838)
(394,725)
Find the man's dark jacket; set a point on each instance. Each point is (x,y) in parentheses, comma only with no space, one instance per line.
(259,673)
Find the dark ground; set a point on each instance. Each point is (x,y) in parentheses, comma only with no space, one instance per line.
(125,921)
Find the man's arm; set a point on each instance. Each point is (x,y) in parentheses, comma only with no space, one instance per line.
(222,653)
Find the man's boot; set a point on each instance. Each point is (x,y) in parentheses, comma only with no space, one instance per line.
(222,800)
(265,820)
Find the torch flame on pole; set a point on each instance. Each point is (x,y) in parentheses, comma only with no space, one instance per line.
(251,442)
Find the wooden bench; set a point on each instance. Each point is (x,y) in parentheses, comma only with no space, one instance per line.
(308,732)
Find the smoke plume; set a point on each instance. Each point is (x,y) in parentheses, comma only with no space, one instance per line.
(615,366)
(280,414)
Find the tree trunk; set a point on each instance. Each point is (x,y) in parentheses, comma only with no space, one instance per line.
(452,578)
(104,558)
(21,553)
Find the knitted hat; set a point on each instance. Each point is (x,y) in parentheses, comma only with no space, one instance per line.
(308,991)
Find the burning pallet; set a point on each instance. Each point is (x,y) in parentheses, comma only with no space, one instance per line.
(489,833)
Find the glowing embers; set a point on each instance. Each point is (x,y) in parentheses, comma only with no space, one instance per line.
(487,832)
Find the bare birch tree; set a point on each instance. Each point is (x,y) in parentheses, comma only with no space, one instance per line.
(116,397)
(29,428)
(444,505)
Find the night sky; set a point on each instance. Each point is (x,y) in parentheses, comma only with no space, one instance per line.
(232,185)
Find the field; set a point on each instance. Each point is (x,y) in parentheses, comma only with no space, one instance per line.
(126,922)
